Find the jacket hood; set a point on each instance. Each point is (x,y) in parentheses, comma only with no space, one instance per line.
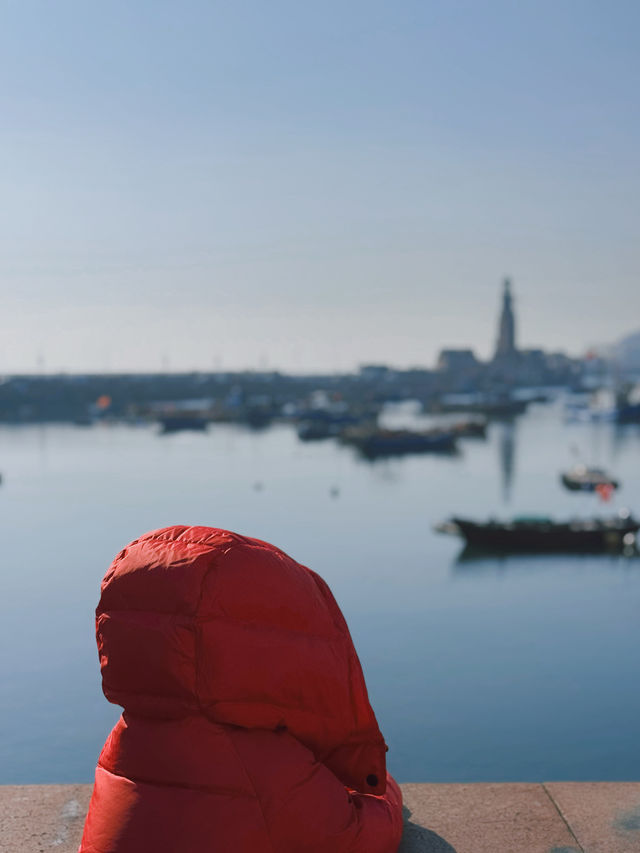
(197,620)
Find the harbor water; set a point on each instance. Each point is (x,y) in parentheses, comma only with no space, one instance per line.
(504,668)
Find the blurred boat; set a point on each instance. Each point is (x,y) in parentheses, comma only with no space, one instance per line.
(258,417)
(628,414)
(581,478)
(541,534)
(472,428)
(598,407)
(177,422)
(628,405)
(398,442)
(317,430)
(495,406)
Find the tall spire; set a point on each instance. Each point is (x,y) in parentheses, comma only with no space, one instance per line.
(506,343)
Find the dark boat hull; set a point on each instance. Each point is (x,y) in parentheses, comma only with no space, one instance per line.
(628,414)
(375,446)
(316,430)
(586,537)
(575,484)
(176,423)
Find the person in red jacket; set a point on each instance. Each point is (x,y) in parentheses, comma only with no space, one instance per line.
(246,727)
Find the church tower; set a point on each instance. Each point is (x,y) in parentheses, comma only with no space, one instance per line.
(506,344)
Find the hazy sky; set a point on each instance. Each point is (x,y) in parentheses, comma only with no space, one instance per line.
(313,185)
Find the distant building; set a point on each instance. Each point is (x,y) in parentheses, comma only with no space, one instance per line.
(457,360)
(506,343)
(458,370)
(374,372)
(627,353)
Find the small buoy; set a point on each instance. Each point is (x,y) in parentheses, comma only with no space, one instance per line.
(334,491)
(257,486)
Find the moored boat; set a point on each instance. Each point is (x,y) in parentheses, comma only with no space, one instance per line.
(316,430)
(398,442)
(495,406)
(472,428)
(628,404)
(530,534)
(581,478)
(178,422)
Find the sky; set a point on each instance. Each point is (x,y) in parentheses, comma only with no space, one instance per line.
(316,185)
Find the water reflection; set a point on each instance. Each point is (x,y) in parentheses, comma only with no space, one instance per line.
(623,437)
(474,561)
(507,451)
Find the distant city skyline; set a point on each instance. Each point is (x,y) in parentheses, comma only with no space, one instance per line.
(490,349)
(312,188)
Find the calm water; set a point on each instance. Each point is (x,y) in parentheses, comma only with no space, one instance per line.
(520,668)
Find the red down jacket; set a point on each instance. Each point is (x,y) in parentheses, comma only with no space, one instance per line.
(246,726)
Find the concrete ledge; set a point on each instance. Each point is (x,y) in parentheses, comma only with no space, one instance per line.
(560,817)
